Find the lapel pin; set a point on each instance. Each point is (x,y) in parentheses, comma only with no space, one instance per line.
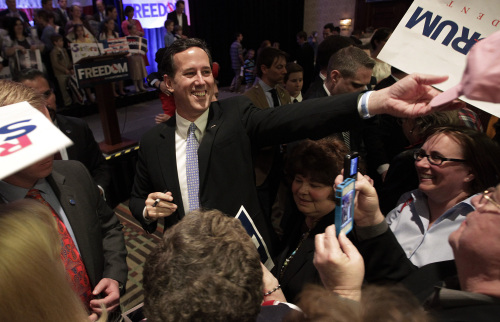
(213,126)
(72,202)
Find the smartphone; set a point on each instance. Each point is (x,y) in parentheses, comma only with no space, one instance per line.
(344,211)
(351,165)
(345,193)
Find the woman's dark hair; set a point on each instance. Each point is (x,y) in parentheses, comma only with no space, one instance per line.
(11,25)
(320,160)
(481,153)
(128,9)
(380,35)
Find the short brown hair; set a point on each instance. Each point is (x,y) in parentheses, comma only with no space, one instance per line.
(321,160)
(205,268)
(12,92)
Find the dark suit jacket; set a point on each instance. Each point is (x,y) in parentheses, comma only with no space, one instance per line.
(97,230)
(234,130)
(59,18)
(23,15)
(85,148)
(300,270)
(173,16)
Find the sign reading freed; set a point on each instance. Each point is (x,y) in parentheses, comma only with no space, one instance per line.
(435,36)
(153,13)
(94,73)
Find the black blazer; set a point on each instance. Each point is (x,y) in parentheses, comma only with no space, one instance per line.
(300,270)
(85,149)
(235,129)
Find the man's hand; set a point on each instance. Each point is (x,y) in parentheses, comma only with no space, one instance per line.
(270,282)
(366,210)
(409,97)
(339,264)
(110,292)
(163,208)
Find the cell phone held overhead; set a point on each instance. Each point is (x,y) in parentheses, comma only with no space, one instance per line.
(344,195)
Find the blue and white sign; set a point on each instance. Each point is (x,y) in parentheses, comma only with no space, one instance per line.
(259,243)
(153,13)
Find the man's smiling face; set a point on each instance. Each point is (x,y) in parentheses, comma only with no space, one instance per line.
(192,84)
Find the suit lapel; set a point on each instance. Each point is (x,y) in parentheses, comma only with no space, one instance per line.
(168,163)
(73,208)
(205,149)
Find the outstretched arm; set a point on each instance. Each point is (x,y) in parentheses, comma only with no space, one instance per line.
(409,97)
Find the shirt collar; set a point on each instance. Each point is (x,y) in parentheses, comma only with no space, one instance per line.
(10,192)
(183,125)
(264,86)
(326,89)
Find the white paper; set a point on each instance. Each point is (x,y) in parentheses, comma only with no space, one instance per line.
(26,136)
(411,51)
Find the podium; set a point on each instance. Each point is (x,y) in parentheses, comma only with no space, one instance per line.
(99,72)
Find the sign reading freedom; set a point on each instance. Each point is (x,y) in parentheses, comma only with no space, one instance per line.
(153,13)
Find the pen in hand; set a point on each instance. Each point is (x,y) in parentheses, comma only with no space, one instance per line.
(158,199)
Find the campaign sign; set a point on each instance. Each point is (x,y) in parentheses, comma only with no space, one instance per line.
(153,13)
(435,36)
(137,45)
(26,136)
(99,72)
(79,51)
(116,45)
(249,225)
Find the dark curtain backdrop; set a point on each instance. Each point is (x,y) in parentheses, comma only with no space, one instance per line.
(216,22)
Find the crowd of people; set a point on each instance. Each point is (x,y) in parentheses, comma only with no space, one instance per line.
(426,219)
(54,30)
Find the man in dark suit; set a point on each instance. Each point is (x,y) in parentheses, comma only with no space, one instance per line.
(100,12)
(228,132)
(68,188)
(61,14)
(305,57)
(85,149)
(179,17)
(12,11)
(349,71)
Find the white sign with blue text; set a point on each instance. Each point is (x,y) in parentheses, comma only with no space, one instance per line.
(435,36)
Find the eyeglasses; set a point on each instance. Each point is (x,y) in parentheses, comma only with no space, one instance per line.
(487,196)
(433,158)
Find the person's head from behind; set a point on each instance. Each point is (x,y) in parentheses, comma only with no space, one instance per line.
(169,25)
(312,168)
(33,282)
(349,70)
(187,69)
(328,47)
(271,66)
(294,79)
(320,305)
(35,79)
(328,30)
(379,38)
(206,268)
(476,245)
(456,162)
(416,129)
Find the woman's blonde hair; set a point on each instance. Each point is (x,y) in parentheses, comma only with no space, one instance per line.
(34,285)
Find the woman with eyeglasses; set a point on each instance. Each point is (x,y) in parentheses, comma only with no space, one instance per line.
(453,164)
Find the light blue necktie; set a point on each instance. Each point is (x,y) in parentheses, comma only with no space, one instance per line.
(192,170)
